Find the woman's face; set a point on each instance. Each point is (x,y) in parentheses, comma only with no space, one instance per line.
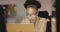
(31,13)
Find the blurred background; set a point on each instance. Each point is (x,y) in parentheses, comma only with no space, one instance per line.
(16,11)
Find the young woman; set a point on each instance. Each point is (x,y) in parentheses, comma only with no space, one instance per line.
(32,7)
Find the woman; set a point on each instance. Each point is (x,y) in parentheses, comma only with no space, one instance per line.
(32,7)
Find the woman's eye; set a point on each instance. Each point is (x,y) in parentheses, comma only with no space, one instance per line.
(31,14)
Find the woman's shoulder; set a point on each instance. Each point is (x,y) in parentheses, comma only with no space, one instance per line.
(42,19)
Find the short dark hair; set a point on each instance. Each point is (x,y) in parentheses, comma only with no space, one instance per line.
(33,3)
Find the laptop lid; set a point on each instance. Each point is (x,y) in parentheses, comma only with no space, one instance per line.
(20,27)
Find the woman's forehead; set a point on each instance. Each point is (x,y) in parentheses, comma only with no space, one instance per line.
(31,10)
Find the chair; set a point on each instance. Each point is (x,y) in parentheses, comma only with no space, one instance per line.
(43,14)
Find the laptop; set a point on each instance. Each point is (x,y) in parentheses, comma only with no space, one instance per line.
(20,27)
